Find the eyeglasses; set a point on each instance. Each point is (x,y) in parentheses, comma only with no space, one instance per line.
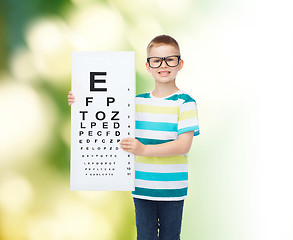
(171,61)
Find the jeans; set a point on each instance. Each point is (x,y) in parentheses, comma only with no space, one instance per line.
(158,219)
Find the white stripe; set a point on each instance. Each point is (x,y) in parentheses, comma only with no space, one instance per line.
(161,135)
(159,198)
(169,168)
(151,117)
(187,123)
(188,106)
(156,102)
(160,184)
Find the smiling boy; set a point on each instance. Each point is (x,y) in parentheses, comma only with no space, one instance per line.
(166,121)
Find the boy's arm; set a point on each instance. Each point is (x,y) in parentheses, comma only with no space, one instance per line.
(177,147)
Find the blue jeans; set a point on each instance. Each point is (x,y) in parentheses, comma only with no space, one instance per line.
(158,219)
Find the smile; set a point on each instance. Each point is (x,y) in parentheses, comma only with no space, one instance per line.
(164,73)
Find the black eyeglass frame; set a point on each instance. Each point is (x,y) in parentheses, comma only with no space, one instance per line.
(164,59)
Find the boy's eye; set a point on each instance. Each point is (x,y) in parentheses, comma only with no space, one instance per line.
(171,59)
(156,60)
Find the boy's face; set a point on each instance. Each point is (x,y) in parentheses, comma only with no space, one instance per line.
(164,73)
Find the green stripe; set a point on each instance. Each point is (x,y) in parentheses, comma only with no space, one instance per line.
(187,129)
(174,97)
(144,95)
(178,159)
(196,133)
(182,96)
(156,126)
(147,141)
(160,192)
(155,176)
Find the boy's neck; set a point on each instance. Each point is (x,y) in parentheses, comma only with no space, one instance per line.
(164,89)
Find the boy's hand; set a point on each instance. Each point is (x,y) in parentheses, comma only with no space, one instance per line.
(132,145)
(70,98)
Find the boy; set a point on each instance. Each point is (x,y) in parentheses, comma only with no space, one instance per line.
(166,121)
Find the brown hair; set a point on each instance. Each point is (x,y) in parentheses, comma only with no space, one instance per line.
(163,40)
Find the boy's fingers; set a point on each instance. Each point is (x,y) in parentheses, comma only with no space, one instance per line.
(126,147)
(126,141)
(70,98)
(125,144)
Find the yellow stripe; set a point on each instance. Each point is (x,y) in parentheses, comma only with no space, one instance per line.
(156,109)
(162,160)
(187,115)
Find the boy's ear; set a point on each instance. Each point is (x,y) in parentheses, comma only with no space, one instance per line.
(148,66)
(181,63)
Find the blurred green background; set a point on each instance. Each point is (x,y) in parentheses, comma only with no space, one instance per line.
(238,66)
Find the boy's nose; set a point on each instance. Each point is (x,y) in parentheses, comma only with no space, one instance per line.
(164,64)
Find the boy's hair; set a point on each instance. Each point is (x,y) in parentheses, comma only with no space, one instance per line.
(163,40)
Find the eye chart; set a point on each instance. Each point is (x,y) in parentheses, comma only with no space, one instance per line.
(103,84)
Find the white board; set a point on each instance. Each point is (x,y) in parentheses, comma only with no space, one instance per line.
(103,113)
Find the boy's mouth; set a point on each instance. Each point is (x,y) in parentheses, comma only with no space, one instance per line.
(164,73)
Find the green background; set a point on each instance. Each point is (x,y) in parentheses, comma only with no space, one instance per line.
(238,67)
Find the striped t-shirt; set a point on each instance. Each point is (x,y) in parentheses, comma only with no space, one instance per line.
(160,120)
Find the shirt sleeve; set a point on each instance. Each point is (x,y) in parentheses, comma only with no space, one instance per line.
(188,119)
